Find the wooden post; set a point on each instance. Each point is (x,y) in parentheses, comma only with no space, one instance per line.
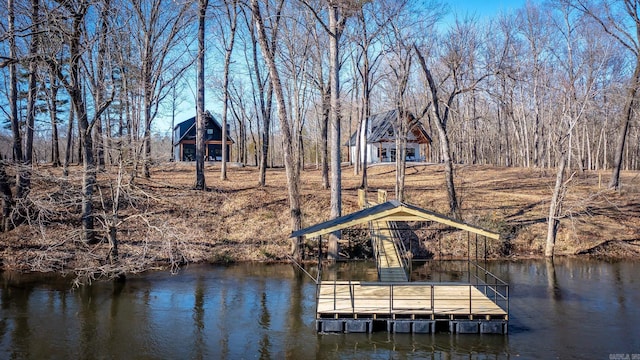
(362,198)
(382,196)
(319,255)
(599,180)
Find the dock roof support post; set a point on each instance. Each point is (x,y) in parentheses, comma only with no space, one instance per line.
(477,262)
(476,259)
(362,198)
(469,257)
(485,252)
(382,196)
(319,257)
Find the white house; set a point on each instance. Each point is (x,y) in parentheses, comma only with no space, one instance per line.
(381,139)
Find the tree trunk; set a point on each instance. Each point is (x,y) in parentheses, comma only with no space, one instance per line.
(99,143)
(146,142)
(324,142)
(13,102)
(630,104)
(13,88)
(113,241)
(53,112)
(69,143)
(89,169)
(336,170)
(445,149)
(32,95)
(232,17)
(292,166)
(366,113)
(74,88)
(555,207)
(441,125)
(403,122)
(266,126)
(200,120)
(7,199)
(265,111)
(99,84)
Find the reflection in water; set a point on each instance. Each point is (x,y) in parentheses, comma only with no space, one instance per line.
(552,281)
(265,317)
(264,322)
(19,298)
(88,325)
(198,318)
(576,308)
(619,285)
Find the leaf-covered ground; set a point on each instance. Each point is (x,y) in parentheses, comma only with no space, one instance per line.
(163,222)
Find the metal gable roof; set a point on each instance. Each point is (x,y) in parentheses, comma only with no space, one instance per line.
(389,211)
(188,125)
(381,123)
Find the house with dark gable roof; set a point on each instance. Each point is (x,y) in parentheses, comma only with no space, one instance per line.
(381,139)
(184,140)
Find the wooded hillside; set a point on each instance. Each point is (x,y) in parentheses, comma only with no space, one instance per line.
(164,222)
(549,87)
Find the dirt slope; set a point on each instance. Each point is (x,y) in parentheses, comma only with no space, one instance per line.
(163,222)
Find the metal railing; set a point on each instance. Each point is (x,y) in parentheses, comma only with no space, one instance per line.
(400,248)
(494,288)
(375,245)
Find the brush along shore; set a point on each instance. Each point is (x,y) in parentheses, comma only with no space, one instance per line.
(162,222)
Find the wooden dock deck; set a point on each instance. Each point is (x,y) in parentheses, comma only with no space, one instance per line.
(418,300)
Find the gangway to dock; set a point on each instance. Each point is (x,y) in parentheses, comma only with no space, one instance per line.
(389,254)
(394,303)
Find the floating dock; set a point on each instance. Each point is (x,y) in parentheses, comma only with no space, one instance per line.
(412,307)
(395,304)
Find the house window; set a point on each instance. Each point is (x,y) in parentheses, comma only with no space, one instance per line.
(411,154)
(390,132)
(209,131)
(383,154)
(188,152)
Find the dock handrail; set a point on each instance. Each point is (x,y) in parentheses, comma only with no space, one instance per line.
(491,285)
(375,245)
(402,250)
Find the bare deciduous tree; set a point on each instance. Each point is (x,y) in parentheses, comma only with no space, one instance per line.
(200,117)
(334,30)
(292,164)
(73,83)
(458,78)
(614,17)
(231,15)
(159,27)
(263,99)
(13,98)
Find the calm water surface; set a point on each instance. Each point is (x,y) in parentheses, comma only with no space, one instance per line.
(573,309)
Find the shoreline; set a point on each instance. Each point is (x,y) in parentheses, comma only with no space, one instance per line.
(164,223)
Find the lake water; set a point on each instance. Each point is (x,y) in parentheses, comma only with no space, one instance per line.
(572,309)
